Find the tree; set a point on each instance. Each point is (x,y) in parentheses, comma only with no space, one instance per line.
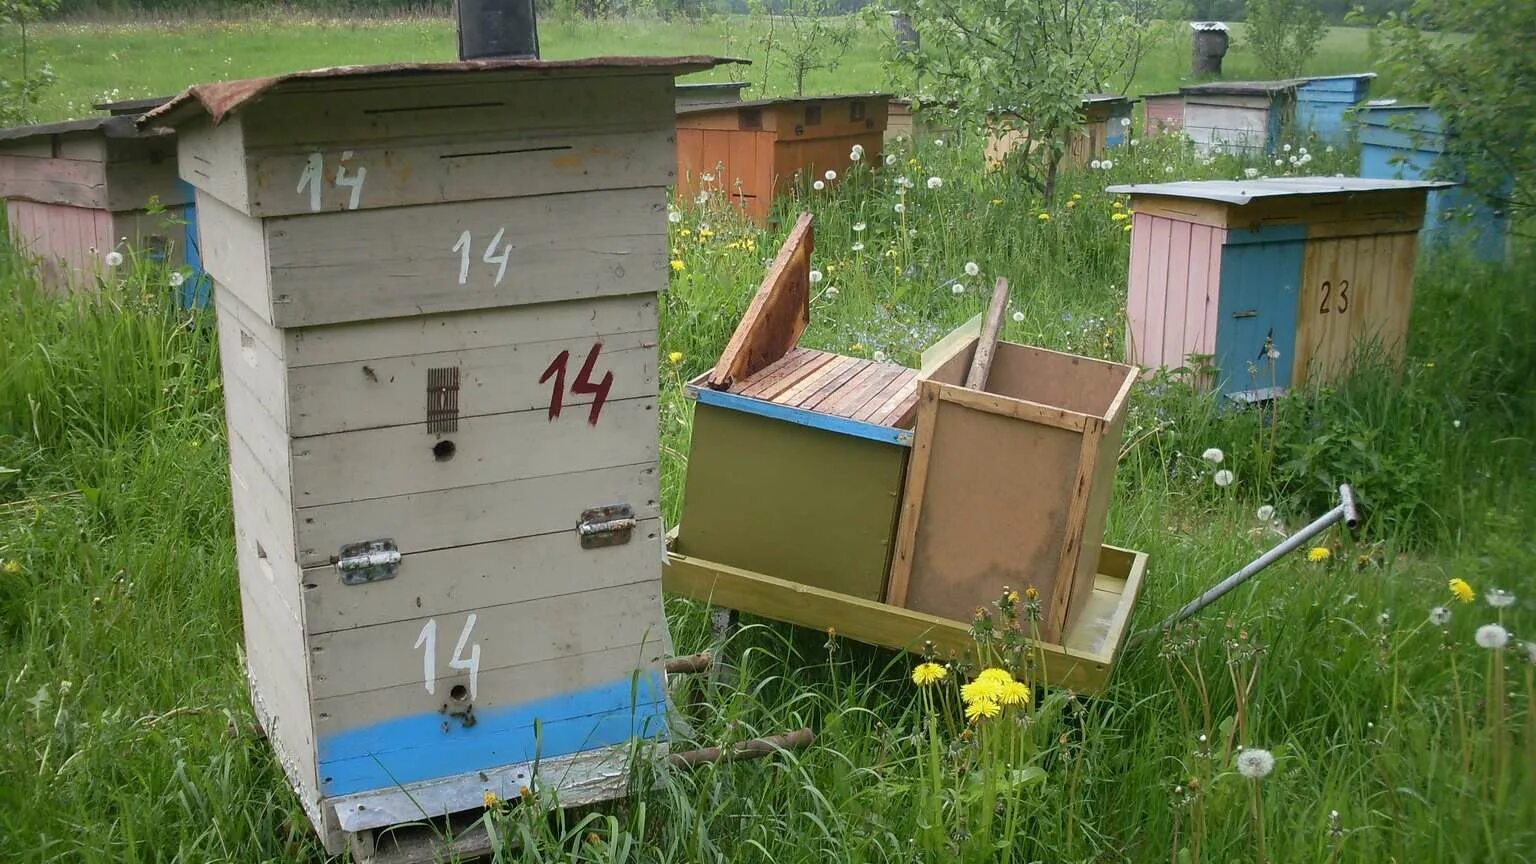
(20,92)
(1284,34)
(1024,66)
(1483,82)
(807,35)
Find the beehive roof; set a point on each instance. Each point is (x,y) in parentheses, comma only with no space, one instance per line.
(110,127)
(781,100)
(1243,88)
(1245,191)
(220,100)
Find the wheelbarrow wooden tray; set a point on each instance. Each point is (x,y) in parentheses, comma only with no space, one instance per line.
(1082,663)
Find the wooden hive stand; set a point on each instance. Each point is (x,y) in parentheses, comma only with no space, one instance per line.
(436,293)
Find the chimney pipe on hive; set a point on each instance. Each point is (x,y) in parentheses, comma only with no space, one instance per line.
(497,29)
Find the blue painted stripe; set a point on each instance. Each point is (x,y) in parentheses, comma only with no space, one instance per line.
(802,417)
(428,746)
(1260,277)
(1265,234)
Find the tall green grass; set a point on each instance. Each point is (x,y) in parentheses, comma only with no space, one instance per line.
(125,733)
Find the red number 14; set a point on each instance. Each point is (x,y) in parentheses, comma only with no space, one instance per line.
(582,386)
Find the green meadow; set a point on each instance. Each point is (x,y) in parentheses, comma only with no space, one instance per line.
(1399,725)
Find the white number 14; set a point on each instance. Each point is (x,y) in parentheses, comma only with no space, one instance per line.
(427,640)
(491,256)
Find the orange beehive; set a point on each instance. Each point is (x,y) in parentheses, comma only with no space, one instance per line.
(753,150)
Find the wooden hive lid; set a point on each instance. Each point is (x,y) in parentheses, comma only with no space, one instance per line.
(223,99)
(779,102)
(1242,192)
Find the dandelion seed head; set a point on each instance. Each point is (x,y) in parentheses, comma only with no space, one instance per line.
(1250,173)
(900,207)
(935,182)
(880,357)
(1018,316)
(1095,164)
(1286,148)
(1265,512)
(1108,164)
(1440,616)
(176,279)
(816,276)
(818,185)
(1125,122)
(1492,636)
(972,268)
(1498,598)
(1223,478)
(1255,763)
(675,216)
(830,175)
(857,247)
(858,227)
(1213,455)
(114,258)
(890,160)
(701,198)
(957,288)
(831,291)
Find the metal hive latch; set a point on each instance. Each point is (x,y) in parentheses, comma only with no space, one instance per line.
(605,526)
(368,561)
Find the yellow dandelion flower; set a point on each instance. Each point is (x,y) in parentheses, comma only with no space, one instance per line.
(1077,196)
(857,346)
(996,201)
(491,800)
(1319,554)
(1044,217)
(1119,217)
(912,161)
(1032,592)
(705,233)
(1071,204)
(982,690)
(982,709)
(831,268)
(1001,676)
(929,673)
(12,567)
(1014,693)
(1117,205)
(676,357)
(687,232)
(1127,226)
(1462,590)
(678,266)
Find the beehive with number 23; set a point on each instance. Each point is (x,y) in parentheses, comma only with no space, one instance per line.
(436,296)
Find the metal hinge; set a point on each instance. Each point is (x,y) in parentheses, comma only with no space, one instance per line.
(368,561)
(606,526)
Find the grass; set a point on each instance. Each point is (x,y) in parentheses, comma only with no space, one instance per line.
(166,57)
(127,734)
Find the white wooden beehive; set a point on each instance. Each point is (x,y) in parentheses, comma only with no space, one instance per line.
(436,294)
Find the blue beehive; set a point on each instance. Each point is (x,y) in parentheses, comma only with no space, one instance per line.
(1323,104)
(1406,142)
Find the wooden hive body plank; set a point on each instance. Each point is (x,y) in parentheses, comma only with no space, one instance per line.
(777,315)
(69,242)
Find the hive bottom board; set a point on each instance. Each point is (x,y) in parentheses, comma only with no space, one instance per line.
(1082,663)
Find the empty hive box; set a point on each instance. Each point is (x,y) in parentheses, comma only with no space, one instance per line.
(1273,282)
(75,191)
(1246,117)
(752,151)
(797,455)
(1009,484)
(1102,130)
(436,293)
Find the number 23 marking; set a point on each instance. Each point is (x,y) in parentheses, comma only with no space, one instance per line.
(1341,304)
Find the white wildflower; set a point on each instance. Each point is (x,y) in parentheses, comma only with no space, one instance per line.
(1108,164)
(1018,316)
(1125,122)
(1255,763)
(1213,455)
(1279,162)
(818,185)
(674,216)
(1274,353)
(938,142)
(707,178)
(701,197)
(856,153)
(857,247)
(1305,158)
(972,268)
(1492,636)
(879,356)
(830,175)
(935,182)
(177,280)
(957,288)
(1223,478)
(831,291)
(815,276)
(1530,652)
(858,227)
(1134,142)
(1250,173)
(912,232)
(1498,598)
(1095,164)
(1286,148)
(1265,513)
(1301,150)
(900,207)
(890,160)
(114,258)
(1439,616)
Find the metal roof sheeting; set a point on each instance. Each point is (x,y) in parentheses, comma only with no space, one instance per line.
(1244,191)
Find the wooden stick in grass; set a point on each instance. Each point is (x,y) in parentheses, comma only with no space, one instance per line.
(991,326)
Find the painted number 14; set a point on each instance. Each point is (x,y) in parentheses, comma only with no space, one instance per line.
(312,180)
(427,642)
(490,256)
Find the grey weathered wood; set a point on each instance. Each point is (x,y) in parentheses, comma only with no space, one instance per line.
(247,359)
(261,434)
(210,158)
(234,248)
(391,391)
(465,331)
(476,514)
(466,578)
(265,525)
(539,678)
(400,460)
(333,267)
(77,183)
(516,634)
(131,184)
(463,168)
